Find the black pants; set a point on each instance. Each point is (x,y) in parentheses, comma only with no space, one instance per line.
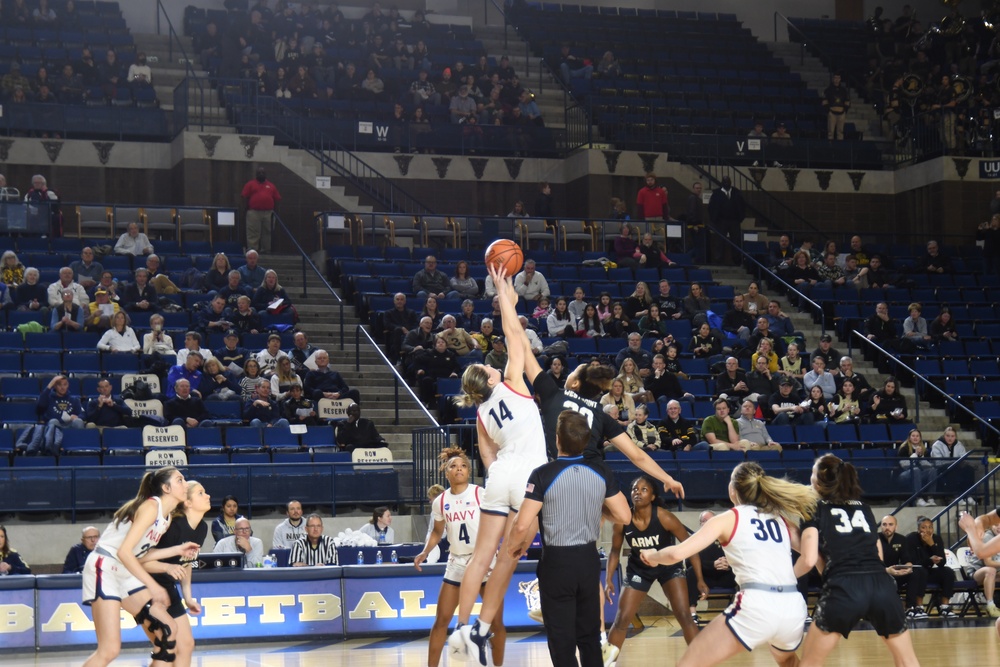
(714,578)
(916,586)
(568,579)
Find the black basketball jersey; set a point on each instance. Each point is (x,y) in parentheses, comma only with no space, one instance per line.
(655,536)
(179,532)
(848,534)
(554,400)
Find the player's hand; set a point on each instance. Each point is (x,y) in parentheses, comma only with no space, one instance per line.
(609,590)
(189,550)
(418,559)
(193,608)
(675,487)
(967,522)
(648,557)
(515,551)
(722,563)
(702,589)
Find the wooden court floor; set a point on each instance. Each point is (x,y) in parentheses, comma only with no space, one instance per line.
(969,643)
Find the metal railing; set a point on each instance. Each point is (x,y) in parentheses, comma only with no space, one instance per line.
(850,78)
(983,495)
(307,264)
(174,37)
(398,380)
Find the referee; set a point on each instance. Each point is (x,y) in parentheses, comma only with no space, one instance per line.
(568,496)
(313,548)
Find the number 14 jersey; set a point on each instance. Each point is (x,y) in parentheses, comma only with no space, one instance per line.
(512,420)
(760,548)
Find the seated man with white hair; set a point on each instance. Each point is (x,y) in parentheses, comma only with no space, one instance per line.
(324,382)
(133,242)
(242,541)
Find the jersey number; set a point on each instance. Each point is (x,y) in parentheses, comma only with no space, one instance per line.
(847,524)
(767,530)
(586,412)
(501,413)
(463,533)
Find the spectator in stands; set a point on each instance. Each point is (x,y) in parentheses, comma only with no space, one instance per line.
(139,295)
(86,271)
(862,389)
(119,337)
(44,16)
(670,306)
(934,261)
(272,298)
(420,339)
(297,409)
(662,385)
(243,542)
(68,316)
(845,408)
(880,328)
(217,383)
(758,133)
(244,318)
(430,281)
(731,382)
(572,66)
(989,234)
(139,73)
(261,197)
(529,109)
(634,351)
(372,86)
(315,549)
(251,376)
(133,242)
(432,311)
(214,318)
(11,269)
(87,68)
(761,382)
(762,331)
(485,335)
(943,327)
(756,302)
(218,276)
(284,378)
(324,382)
(703,344)
(779,323)
(589,324)
(262,410)
(780,137)
(726,210)
(208,45)
(888,405)
(396,324)
(459,341)
(77,555)
(14,79)
(621,400)
(100,312)
(628,373)
(447,86)
(625,247)
(55,290)
(69,86)
(802,273)
(158,279)
(651,202)
(189,370)
(251,273)
(818,376)
(301,353)
(10,560)
(948,448)
(830,273)
(860,252)
(268,357)
(232,355)
(899,561)
(462,108)
(497,357)
(915,333)
(830,355)
(876,275)
(837,102)
(530,284)
(676,432)
(108,283)
(786,405)
(791,364)
(32,296)
(753,432)
(544,205)
(518,211)
(638,302)
(649,255)
(765,348)
(235,288)
(719,431)
(58,411)
(224,525)
(423,92)
(928,550)
(185,408)
(6,301)
(106,410)
(111,73)
(619,325)
(462,284)
(696,306)
(192,343)
(157,342)
(440,362)
(737,322)
(608,66)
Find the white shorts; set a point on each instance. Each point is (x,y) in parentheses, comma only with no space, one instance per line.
(505,487)
(107,579)
(759,617)
(454,571)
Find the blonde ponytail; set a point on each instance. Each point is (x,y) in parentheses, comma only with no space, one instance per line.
(772,495)
(475,387)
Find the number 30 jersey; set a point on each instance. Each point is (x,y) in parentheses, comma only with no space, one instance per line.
(460,514)
(760,548)
(512,421)
(848,537)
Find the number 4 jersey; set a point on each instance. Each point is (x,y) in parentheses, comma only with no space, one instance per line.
(512,420)
(460,514)
(760,548)
(848,539)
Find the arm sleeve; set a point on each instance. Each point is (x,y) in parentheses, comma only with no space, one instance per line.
(535,490)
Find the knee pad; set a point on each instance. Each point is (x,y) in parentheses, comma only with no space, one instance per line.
(161,634)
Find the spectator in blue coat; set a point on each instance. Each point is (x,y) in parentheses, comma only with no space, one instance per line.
(57,410)
(77,555)
(324,382)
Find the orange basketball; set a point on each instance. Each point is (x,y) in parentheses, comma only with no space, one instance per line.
(506,254)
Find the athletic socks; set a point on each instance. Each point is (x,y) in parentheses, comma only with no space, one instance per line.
(484,628)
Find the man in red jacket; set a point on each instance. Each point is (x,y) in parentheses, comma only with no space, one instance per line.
(261,197)
(651,202)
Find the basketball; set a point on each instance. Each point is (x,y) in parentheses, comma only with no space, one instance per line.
(505,254)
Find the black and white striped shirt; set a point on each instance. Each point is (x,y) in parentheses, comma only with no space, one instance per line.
(324,553)
(572,491)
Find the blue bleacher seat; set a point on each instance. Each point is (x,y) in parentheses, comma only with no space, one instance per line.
(42,363)
(319,436)
(280,438)
(20,389)
(43,342)
(243,438)
(120,440)
(85,440)
(205,440)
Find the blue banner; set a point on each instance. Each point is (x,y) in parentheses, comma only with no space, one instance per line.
(17,612)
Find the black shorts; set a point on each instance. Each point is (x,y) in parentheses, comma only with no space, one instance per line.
(176,609)
(846,599)
(642,578)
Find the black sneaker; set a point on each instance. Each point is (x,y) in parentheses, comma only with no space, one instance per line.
(946,611)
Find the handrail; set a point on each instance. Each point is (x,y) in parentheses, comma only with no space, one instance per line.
(774,278)
(898,362)
(943,471)
(947,514)
(307,261)
(398,379)
(189,67)
(745,180)
(499,8)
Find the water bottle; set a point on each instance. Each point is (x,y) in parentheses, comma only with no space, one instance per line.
(269,561)
(361,557)
(378,557)
(393,557)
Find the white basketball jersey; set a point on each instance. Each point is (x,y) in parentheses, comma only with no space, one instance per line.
(460,514)
(114,535)
(760,548)
(513,421)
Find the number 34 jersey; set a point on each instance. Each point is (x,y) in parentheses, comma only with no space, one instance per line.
(512,421)
(460,514)
(760,548)
(848,537)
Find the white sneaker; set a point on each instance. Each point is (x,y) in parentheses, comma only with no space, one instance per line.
(991,610)
(922,503)
(610,653)
(931,502)
(456,646)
